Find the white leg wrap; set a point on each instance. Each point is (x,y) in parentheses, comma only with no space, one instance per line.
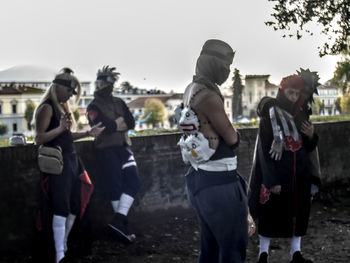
(69,225)
(264,244)
(125,204)
(58,227)
(294,245)
(115,205)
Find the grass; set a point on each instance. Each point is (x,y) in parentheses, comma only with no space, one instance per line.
(340,117)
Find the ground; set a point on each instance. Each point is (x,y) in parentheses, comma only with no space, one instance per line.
(173,236)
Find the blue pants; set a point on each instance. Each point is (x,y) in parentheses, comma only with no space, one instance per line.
(119,171)
(222,213)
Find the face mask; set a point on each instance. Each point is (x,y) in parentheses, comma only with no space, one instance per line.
(105,92)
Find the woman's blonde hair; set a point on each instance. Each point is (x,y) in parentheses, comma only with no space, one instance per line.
(50,93)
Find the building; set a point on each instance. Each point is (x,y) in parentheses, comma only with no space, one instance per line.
(255,88)
(170,101)
(13,104)
(328,94)
(17,82)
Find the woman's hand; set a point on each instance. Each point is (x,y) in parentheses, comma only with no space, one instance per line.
(65,123)
(276,189)
(308,129)
(96,130)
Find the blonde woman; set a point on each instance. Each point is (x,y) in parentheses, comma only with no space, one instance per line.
(54,125)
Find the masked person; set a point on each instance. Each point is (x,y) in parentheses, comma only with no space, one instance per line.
(115,159)
(283,174)
(215,189)
(54,123)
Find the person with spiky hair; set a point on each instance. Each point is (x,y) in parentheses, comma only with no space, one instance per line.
(116,161)
(282,178)
(60,194)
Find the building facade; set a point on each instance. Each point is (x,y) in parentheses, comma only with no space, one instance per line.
(13,104)
(255,88)
(328,94)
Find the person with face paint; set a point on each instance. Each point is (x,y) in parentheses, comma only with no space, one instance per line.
(116,161)
(282,176)
(54,123)
(215,188)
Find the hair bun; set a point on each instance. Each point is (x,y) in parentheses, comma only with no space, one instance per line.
(67,70)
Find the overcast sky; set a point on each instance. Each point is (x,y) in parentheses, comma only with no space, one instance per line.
(153,43)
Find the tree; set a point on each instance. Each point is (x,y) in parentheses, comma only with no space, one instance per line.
(3,129)
(332,16)
(237,89)
(126,87)
(337,104)
(345,103)
(171,120)
(342,75)
(158,111)
(322,107)
(316,106)
(28,114)
(76,114)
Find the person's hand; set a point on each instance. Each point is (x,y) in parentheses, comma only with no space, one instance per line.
(121,125)
(65,122)
(251,225)
(308,129)
(96,130)
(276,189)
(276,149)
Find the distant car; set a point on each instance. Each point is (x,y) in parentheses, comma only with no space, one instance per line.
(242,119)
(17,139)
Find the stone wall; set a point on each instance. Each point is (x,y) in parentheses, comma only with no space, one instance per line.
(161,172)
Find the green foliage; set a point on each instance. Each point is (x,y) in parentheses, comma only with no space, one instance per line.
(76,114)
(342,75)
(337,104)
(154,132)
(171,119)
(345,103)
(80,126)
(4,142)
(126,87)
(158,111)
(330,118)
(237,89)
(332,16)
(316,106)
(3,128)
(28,114)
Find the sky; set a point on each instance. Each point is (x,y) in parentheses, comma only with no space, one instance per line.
(152,43)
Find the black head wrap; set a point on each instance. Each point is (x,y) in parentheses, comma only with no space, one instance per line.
(213,64)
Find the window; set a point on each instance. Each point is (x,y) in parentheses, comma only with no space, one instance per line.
(272,93)
(14,127)
(227,104)
(250,97)
(0,107)
(14,106)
